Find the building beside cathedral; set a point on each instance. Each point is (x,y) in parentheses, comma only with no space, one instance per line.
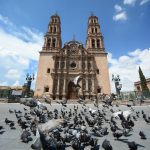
(59,65)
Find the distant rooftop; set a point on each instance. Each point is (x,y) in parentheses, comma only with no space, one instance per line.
(138,82)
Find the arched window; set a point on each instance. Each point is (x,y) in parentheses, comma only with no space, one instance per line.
(93,43)
(51,29)
(98,43)
(83,65)
(83,84)
(62,64)
(48,70)
(46,89)
(54,29)
(92,30)
(54,43)
(95,30)
(89,65)
(97,70)
(61,85)
(57,64)
(90,85)
(48,43)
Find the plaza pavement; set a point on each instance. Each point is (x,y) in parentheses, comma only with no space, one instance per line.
(10,139)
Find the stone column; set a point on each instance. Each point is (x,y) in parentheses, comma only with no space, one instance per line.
(58,84)
(64,88)
(101,43)
(53,88)
(80,65)
(93,91)
(65,64)
(92,64)
(86,88)
(45,44)
(80,91)
(86,64)
(59,67)
(93,88)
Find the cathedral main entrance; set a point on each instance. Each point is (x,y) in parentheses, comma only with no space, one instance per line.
(72,91)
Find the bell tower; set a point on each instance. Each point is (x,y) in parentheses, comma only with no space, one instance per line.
(94,41)
(95,46)
(53,36)
(52,46)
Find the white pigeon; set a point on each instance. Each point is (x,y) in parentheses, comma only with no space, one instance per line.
(126,113)
(76,79)
(92,110)
(51,124)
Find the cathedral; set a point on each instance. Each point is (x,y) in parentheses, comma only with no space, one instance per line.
(60,65)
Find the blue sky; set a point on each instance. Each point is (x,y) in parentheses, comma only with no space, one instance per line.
(125,25)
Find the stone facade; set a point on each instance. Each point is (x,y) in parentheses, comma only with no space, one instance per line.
(137,85)
(58,65)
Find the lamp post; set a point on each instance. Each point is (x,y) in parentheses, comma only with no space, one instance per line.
(118,86)
(27,85)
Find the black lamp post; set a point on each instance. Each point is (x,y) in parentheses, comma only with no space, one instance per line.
(118,86)
(27,85)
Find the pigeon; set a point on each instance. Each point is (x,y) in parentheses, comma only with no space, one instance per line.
(106,145)
(142,135)
(1,127)
(8,121)
(1,132)
(76,144)
(26,136)
(117,134)
(11,124)
(124,113)
(11,111)
(37,145)
(93,111)
(50,125)
(41,106)
(76,80)
(132,145)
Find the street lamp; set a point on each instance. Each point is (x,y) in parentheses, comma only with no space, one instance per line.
(118,86)
(27,85)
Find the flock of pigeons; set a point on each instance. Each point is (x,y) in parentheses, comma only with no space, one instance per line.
(58,129)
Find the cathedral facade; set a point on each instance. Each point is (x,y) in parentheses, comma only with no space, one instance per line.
(59,66)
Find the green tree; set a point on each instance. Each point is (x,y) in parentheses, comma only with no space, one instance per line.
(144,87)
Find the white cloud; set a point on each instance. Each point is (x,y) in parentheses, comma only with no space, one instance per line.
(118,8)
(5,20)
(17,83)
(13,74)
(18,48)
(5,83)
(144,2)
(120,16)
(127,67)
(129,2)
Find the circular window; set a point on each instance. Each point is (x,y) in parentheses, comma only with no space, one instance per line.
(73,65)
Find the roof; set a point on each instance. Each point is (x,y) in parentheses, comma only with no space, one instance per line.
(73,42)
(10,87)
(138,82)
